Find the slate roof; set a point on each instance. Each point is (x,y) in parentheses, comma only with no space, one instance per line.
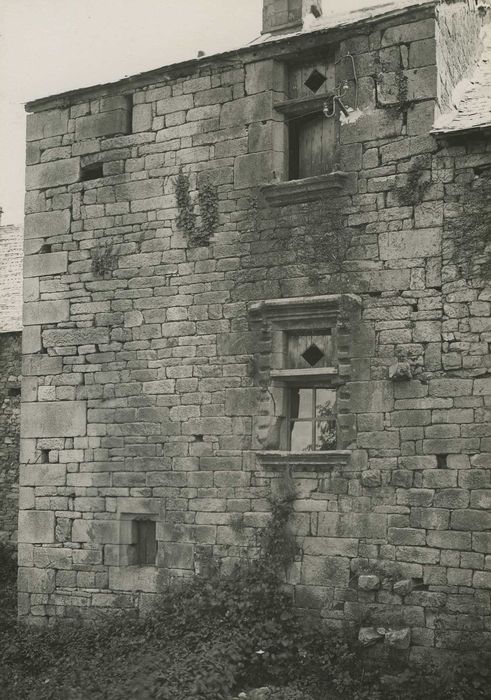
(11,245)
(471,97)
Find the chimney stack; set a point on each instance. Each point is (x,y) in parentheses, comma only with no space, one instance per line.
(287,15)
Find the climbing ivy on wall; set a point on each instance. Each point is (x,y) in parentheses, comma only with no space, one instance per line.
(467,236)
(208,209)
(104,260)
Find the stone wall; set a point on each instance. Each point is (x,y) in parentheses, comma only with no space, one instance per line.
(10,367)
(153,343)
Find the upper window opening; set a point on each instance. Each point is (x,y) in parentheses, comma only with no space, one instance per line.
(91,172)
(312,142)
(306,351)
(315,81)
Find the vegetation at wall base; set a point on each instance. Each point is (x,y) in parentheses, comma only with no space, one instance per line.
(209,639)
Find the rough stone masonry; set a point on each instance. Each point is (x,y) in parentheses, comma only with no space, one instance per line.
(254,270)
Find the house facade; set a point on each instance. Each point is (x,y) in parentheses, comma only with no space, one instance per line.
(10,369)
(261,270)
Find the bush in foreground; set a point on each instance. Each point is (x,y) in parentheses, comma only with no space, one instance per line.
(209,639)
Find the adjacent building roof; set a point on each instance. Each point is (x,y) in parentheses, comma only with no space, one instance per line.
(11,245)
(374,10)
(471,97)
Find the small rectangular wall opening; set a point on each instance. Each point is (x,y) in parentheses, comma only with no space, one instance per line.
(91,172)
(144,542)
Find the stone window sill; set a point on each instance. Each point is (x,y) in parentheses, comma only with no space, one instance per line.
(280,460)
(309,189)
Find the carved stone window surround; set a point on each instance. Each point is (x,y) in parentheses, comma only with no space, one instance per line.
(276,318)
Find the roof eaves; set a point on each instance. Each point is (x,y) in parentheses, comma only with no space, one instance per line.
(185,67)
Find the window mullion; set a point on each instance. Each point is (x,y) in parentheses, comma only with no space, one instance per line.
(313,419)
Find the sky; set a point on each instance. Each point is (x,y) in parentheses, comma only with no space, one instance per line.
(49,46)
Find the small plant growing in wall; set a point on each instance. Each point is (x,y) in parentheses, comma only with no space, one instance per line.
(413,191)
(104,260)
(187,217)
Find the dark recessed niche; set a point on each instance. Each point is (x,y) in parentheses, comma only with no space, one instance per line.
(376,295)
(199,438)
(315,81)
(44,458)
(45,248)
(14,391)
(441,461)
(91,172)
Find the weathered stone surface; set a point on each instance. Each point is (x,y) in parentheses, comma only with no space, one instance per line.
(371,397)
(75,336)
(48,264)
(368,582)
(399,639)
(103,124)
(46,224)
(410,244)
(43,125)
(39,312)
(54,419)
(370,635)
(46,175)
(36,526)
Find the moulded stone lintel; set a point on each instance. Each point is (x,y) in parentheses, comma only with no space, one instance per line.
(285,311)
(279,460)
(309,189)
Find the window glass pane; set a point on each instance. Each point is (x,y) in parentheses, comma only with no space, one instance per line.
(301,403)
(301,436)
(325,438)
(325,403)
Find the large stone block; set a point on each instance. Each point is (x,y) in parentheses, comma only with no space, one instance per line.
(53,174)
(38,312)
(39,365)
(415,243)
(103,124)
(36,580)
(253,169)
(44,125)
(371,397)
(54,419)
(470,520)
(254,108)
(359,525)
(326,571)
(47,223)
(42,475)
(134,579)
(97,531)
(450,387)
(75,336)
(46,264)
(177,556)
(36,526)
(242,402)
